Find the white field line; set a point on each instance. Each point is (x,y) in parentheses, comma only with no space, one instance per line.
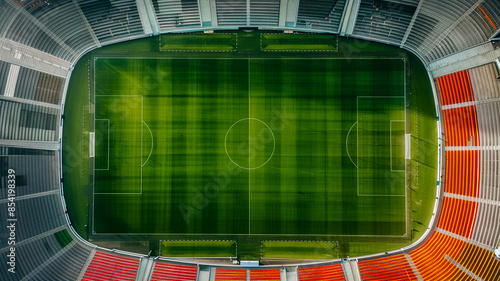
(346,148)
(249,132)
(142,116)
(93,185)
(152,143)
(357,115)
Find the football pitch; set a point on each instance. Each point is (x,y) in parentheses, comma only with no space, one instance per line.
(250,146)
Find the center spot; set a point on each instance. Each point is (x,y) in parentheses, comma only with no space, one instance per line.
(249,143)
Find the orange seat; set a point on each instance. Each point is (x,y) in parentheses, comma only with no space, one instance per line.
(460,124)
(331,272)
(455,88)
(463,172)
(394,267)
(458,216)
(230,274)
(430,258)
(172,272)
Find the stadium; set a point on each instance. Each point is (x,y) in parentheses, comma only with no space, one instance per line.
(250,140)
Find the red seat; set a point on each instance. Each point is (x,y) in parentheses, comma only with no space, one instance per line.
(386,268)
(265,274)
(325,272)
(463,172)
(460,124)
(455,88)
(458,216)
(430,258)
(111,267)
(174,272)
(230,274)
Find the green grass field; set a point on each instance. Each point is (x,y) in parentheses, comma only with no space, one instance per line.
(318,250)
(199,42)
(250,146)
(298,42)
(210,249)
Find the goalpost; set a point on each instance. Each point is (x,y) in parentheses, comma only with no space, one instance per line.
(92,144)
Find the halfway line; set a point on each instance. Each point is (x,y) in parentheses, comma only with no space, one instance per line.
(249,167)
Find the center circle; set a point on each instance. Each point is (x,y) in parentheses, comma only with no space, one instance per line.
(249,143)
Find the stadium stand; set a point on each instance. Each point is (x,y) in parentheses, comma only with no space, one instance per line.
(34,33)
(170,271)
(458,216)
(49,89)
(491,12)
(460,125)
(39,218)
(6,12)
(458,39)
(264,12)
(455,88)
(230,274)
(489,127)
(444,262)
(39,207)
(384,20)
(111,20)
(487,229)
(463,172)
(325,272)
(26,83)
(35,216)
(433,29)
(39,256)
(320,15)
(470,205)
(489,188)
(106,266)
(484,83)
(18,55)
(394,267)
(430,258)
(75,34)
(37,86)
(483,19)
(232,13)
(36,171)
(476,25)
(4,74)
(72,259)
(177,14)
(21,121)
(480,262)
(265,274)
